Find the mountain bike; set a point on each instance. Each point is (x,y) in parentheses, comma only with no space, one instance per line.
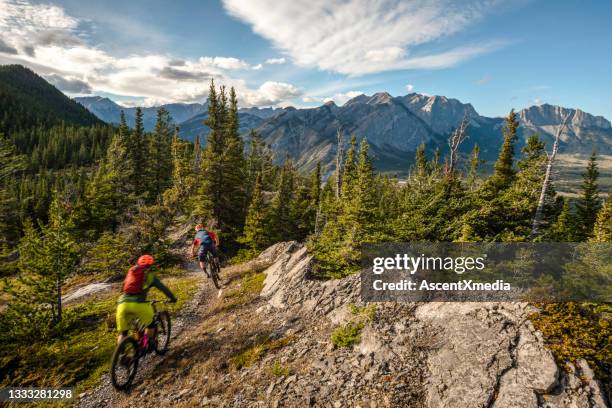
(124,363)
(212,269)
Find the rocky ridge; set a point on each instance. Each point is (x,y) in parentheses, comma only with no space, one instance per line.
(430,354)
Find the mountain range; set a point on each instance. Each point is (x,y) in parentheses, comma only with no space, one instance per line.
(394,126)
(109,111)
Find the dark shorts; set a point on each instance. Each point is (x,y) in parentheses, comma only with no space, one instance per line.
(204,248)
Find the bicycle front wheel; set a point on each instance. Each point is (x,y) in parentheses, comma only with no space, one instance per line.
(164,327)
(124,363)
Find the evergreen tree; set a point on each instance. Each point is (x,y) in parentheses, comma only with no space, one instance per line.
(420,162)
(222,192)
(281,224)
(602,232)
(159,160)
(109,195)
(138,152)
(504,171)
(45,260)
(183,179)
(474,164)
(562,229)
(349,170)
(588,204)
(255,235)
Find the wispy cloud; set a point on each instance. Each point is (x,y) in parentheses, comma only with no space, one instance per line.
(55,44)
(485,79)
(410,87)
(339,98)
(273,61)
(357,37)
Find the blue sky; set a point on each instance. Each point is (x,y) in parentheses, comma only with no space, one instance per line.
(494,54)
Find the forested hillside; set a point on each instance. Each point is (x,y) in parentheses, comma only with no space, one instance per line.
(81,202)
(27,100)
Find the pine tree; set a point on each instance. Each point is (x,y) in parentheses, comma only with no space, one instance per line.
(282,226)
(137,148)
(222,192)
(45,260)
(474,164)
(159,169)
(109,195)
(183,178)
(588,204)
(349,170)
(255,235)
(504,171)
(562,229)
(602,232)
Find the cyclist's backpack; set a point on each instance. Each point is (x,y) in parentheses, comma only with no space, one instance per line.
(134,281)
(203,237)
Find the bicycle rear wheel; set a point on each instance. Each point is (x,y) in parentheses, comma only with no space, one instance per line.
(164,327)
(214,274)
(124,363)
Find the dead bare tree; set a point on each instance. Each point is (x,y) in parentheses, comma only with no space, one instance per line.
(339,154)
(454,141)
(537,219)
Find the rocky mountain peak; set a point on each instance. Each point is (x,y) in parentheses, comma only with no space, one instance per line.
(550,115)
(380,98)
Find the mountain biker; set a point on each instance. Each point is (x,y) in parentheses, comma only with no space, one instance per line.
(205,241)
(133,303)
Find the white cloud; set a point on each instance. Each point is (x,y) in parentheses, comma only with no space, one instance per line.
(53,43)
(277,61)
(272,93)
(257,67)
(342,98)
(358,37)
(410,87)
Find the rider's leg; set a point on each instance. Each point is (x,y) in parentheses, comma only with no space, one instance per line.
(122,336)
(122,317)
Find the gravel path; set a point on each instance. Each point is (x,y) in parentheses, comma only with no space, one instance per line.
(105,395)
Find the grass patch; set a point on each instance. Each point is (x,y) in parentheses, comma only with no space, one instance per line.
(256,351)
(347,335)
(81,354)
(367,312)
(578,330)
(250,285)
(279,370)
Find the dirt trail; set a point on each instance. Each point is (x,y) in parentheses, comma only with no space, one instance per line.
(105,395)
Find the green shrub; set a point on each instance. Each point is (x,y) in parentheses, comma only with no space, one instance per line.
(278,370)
(578,330)
(367,312)
(347,335)
(257,350)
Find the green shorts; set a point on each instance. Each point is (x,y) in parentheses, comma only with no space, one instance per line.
(127,312)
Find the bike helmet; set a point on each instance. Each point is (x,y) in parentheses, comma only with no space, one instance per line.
(199,227)
(146,260)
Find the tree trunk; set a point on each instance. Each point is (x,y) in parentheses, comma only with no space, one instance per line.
(454,141)
(539,214)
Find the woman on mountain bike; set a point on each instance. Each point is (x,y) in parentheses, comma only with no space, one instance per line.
(205,241)
(133,303)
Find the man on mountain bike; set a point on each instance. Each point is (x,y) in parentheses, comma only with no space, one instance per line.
(205,241)
(133,303)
